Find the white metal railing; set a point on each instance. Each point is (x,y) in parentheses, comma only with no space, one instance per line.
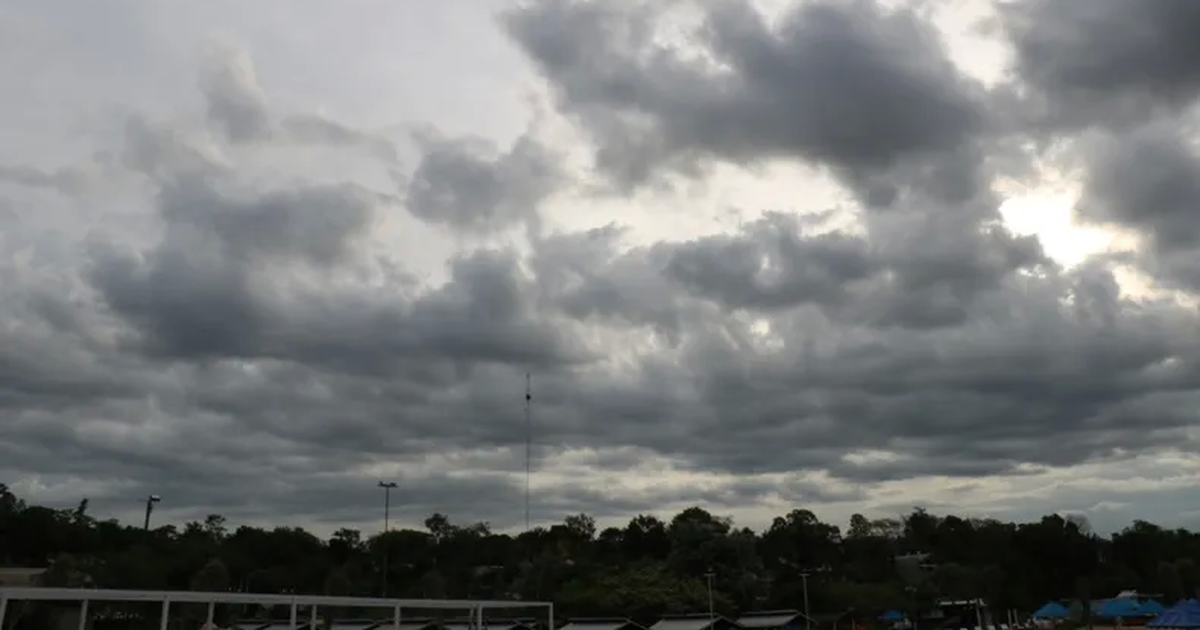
(475,608)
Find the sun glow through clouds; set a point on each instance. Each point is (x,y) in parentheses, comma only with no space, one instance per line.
(1049,217)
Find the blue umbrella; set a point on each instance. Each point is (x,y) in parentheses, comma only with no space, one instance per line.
(1152,607)
(1114,608)
(1052,610)
(892,615)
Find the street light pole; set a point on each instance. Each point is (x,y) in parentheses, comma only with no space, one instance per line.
(150,501)
(712,616)
(387,508)
(807,618)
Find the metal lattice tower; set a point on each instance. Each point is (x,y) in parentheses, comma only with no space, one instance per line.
(528,443)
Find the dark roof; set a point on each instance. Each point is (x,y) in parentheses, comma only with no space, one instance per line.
(269,624)
(692,621)
(379,624)
(488,624)
(769,618)
(354,624)
(601,623)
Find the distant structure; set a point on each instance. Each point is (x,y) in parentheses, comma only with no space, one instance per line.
(913,567)
(21,576)
(528,442)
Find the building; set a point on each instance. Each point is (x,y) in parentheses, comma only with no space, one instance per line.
(21,576)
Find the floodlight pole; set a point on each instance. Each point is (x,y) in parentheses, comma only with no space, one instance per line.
(807,618)
(387,508)
(712,616)
(150,501)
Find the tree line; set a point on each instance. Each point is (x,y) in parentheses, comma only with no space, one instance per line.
(646,569)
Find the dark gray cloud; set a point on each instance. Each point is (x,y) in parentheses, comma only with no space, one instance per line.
(1145,180)
(218,285)
(468,185)
(268,344)
(846,85)
(773,265)
(1104,62)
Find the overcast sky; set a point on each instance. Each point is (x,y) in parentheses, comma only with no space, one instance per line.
(851,256)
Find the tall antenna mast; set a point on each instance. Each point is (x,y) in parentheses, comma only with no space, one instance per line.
(528,443)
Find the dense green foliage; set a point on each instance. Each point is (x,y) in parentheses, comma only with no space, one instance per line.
(647,568)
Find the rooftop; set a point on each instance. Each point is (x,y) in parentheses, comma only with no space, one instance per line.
(696,621)
(769,618)
(599,623)
(379,624)
(488,624)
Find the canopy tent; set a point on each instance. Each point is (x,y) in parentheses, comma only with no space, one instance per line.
(1166,619)
(1115,608)
(1052,610)
(892,615)
(1185,614)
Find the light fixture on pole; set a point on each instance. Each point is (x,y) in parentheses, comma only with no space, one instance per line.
(712,616)
(804,573)
(387,508)
(150,501)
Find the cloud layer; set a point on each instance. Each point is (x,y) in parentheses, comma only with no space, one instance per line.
(251,305)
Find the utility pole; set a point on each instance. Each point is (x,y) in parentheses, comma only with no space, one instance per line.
(712,615)
(150,501)
(807,618)
(387,508)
